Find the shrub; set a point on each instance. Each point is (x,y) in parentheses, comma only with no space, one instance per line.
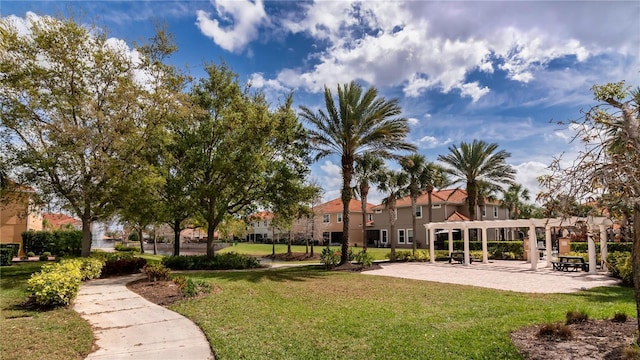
(329,258)
(6,254)
(43,257)
(576,317)
(31,254)
(67,241)
(190,287)
(226,261)
(403,255)
(619,265)
(57,284)
(364,258)
(123,266)
(46,253)
(91,268)
(555,332)
(125,248)
(421,255)
(619,317)
(631,352)
(156,272)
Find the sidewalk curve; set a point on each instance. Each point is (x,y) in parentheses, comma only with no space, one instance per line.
(127,326)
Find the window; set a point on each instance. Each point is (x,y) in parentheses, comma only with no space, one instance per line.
(325,237)
(484,211)
(339,217)
(265,223)
(383,236)
(419,211)
(325,218)
(400,236)
(410,236)
(436,206)
(495,211)
(369,217)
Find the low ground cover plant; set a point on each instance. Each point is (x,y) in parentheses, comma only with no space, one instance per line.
(576,317)
(555,332)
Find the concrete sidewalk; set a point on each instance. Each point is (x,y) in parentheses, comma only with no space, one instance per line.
(498,274)
(127,326)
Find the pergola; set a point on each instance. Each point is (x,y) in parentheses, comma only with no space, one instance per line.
(600,223)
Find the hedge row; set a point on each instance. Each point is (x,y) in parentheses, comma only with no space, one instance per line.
(611,247)
(495,249)
(226,261)
(619,265)
(58,242)
(6,254)
(119,263)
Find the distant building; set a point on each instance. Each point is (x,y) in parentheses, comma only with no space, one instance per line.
(18,213)
(60,221)
(260,227)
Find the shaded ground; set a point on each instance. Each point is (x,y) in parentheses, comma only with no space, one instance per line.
(594,339)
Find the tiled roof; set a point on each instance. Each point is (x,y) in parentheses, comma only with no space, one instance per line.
(58,220)
(335,206)
(262,215)
(449,196)
(456,216)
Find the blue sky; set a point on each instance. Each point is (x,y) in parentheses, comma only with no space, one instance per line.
(501,72)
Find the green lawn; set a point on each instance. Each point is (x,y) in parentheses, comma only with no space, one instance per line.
(306,313)
(36,334)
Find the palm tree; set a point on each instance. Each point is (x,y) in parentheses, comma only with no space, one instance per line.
(512,199)
(476,163)
(362,123)
(366,170)
(422,176)
(394,184)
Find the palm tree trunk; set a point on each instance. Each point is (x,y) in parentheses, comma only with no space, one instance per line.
(347,174)
(472,192)
(635,259)
(392,227)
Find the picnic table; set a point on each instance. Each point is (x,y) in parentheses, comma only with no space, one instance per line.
(459,257)
(570,263)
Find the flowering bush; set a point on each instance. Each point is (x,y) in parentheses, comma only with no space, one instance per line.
(364,258)
(329,258)
(56,284)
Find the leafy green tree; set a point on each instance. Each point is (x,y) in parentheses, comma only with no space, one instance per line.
(422,176)
(609,164)
(394,184)
(237,147)
(478,164)
(77,110)
(361,123)
(366,172)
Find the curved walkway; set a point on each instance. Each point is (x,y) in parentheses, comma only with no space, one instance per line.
(127,326)
(498,274)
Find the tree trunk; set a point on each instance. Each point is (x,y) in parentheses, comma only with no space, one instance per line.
(289,244)
(364,192)
(347,173)
(430,211)
(86,237)
(141,240)
(176,238)
(211,228)
(635,260)
(155,242)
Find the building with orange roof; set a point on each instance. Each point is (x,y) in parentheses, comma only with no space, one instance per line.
(446,205)
(60,221)
(324,227)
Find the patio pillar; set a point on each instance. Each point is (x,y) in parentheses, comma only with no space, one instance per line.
(485,257)
(592,252)
(432,236)
(603,246)
(533,247)
(466,244)
(547,244)
(450,240)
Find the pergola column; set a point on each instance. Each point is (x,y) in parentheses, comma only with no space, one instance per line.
(603,246)
(485,257)
(431,233)
(450,240)
(592,252)
(533,247)
(466,244)
(547,244)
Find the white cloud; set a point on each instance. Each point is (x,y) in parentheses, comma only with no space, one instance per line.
(527,174)
(430,142)
(239,23)
(413,121)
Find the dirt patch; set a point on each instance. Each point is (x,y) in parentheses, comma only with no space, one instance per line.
(593,339)
(293,257)
(163,293)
